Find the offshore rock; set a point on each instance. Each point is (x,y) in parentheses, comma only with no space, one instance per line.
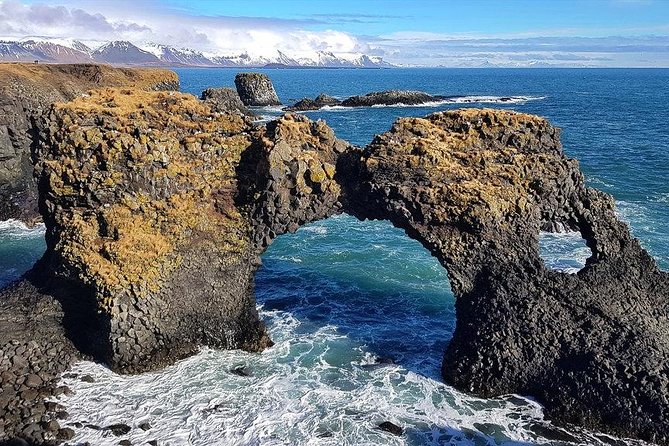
(28,89)
(256,89)
(322,100)
(476,187)
(390,97)
(225,100)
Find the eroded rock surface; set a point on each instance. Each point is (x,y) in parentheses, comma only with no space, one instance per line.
(476,187)
(28,89)
(225,100)
(256,89)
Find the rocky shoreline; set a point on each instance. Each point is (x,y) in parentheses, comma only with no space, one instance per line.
(157,206)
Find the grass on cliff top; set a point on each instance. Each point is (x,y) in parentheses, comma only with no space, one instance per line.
(83,76)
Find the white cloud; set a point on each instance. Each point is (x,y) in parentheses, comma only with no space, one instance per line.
(149,21)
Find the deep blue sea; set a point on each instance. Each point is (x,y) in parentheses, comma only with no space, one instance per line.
(340,293)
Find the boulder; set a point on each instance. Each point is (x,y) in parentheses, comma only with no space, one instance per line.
(256,89)
(225,100)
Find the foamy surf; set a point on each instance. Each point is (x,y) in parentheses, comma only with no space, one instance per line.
(299,394)
(564,251)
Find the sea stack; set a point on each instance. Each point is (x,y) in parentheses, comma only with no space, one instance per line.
(256,89)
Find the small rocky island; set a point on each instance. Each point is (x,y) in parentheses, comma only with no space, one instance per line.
(158,205)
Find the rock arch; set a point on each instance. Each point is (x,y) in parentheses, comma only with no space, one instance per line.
(157,209)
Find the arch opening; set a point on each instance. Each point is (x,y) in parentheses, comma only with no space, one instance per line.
(564,251)
(369,292)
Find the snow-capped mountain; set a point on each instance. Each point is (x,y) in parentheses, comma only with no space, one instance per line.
(122,52)
(29,50)
(177,56)
(153,54)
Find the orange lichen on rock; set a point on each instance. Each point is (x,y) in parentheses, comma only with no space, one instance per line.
(155,164)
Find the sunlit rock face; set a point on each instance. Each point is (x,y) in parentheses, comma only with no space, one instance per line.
(26,90)
(476,187)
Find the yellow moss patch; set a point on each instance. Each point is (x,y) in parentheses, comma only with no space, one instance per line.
(163,168)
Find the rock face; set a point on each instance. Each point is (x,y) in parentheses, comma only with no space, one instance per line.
(322,100)
(137,194)
(27,90)
(475,187)
(157,207)
(256,89)
(390,97)
(225,100)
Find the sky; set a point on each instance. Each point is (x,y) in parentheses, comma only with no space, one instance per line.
(602,33)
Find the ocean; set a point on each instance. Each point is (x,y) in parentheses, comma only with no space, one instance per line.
(339,294)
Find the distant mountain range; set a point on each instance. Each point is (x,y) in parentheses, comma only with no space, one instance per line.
(151,54)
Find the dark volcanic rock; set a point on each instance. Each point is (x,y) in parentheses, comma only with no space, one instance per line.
(225,100)
(34,351)
(390,97)
(306,104)
(475,187)
(154,226)
(28,89)
(392,428)
(256,89)
(157,208)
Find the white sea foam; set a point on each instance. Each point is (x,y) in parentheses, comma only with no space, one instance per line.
(564,251)
(18,229)
(300,394)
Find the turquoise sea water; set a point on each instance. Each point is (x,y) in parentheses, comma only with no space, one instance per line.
(339,294)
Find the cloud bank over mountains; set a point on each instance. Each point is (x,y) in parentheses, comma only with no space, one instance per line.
(310,36)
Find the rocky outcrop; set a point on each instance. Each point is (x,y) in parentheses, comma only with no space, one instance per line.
(157,208)
(225,100)
(27,90)
(306,104)
(475,187)
(287,177)
(390,97)
(256,89)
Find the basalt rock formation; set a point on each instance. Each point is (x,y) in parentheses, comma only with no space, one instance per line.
(157,207)
(225,100)
(28,89)
(390,97)
(256,89)
(322,100)
(475,187)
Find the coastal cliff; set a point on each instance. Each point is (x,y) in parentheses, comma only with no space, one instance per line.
(26,90)
(157,207)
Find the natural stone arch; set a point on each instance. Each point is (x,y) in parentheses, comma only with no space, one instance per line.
(150,198)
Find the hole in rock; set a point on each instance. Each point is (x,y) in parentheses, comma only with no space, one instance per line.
(343,292)
(566,251)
